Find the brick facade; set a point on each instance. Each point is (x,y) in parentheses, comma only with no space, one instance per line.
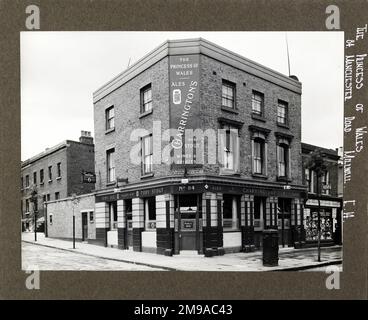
(224,219)
(74,157)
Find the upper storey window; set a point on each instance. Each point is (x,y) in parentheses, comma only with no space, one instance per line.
(110,118)
(257,103)
(282,112)
(146,99)
(228,94)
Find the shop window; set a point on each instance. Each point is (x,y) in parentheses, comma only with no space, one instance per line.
(113,214)
(129,217)
(284,212)
(231,212)
(228,94)
(259,211)
(150,213)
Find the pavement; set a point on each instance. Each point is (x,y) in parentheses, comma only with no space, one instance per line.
(290,259)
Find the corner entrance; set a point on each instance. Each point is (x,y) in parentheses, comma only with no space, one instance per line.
(187,220)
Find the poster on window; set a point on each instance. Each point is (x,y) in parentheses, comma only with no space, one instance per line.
(184,106)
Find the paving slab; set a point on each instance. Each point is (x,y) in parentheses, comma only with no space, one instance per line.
(289,258)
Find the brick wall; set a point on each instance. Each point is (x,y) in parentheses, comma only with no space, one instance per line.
(80,158)
(62,218)
(56,185)
(210,106)
(126,101)
(333,169)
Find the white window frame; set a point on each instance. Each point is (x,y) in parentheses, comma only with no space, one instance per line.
(146,98)
(110,165)
(110,118)
(147,156)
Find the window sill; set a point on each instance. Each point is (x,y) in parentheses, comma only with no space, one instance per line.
(110,130)
(144,114)
(283,125)
(147,175)
(283,179)
(58,178)
(260,176)
(110,184)
(228,172)
(258,117)
(50,181)
(42,183)
(227,109)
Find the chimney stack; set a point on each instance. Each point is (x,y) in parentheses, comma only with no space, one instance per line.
(86,137)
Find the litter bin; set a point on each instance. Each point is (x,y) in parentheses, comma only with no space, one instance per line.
(270,248)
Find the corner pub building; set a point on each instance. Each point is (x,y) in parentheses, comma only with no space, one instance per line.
(210,208)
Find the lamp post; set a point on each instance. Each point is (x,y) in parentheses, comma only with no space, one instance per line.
(317,163)
(74,202)
(34,202)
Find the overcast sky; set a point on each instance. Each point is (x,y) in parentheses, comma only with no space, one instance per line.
(61,70)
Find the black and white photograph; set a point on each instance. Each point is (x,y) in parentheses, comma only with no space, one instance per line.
(181,151)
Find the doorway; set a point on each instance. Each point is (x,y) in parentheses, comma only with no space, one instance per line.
(188,219)
(84,226)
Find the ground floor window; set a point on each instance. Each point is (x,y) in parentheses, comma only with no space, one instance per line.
(284,213)
(113,214)
(259,212)
(311,224)
(150,213)
(128,210)
(231,212)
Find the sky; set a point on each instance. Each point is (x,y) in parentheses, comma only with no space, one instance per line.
(61,70)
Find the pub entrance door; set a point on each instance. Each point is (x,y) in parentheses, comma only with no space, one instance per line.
(188,214)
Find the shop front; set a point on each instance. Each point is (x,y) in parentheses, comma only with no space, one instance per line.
(205,218)
(325,213)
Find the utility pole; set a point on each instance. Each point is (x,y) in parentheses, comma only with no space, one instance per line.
(34,202)
(75,201)
(317,163)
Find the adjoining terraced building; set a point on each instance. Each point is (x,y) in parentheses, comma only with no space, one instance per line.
(163,192)
(55,173)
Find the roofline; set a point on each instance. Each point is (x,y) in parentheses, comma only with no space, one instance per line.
(311,147)
(48,152)
(197,46)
